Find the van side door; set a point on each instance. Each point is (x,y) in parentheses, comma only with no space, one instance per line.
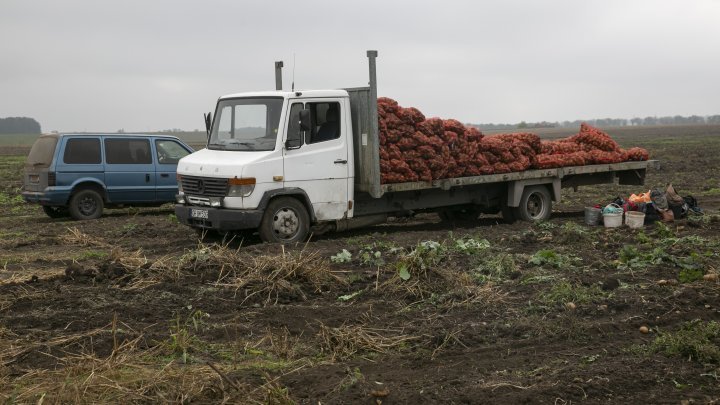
(167,154)
(129,170)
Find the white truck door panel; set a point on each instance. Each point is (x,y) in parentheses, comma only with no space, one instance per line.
(320,165)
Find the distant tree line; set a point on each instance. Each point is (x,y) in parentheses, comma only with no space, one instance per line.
(610,122)
(19,125)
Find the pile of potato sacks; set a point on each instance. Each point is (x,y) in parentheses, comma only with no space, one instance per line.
(415,148)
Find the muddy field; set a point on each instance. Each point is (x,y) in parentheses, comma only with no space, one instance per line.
(133,308)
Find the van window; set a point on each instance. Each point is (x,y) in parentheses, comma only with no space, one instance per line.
(169,152)
(82,151)
(127,151)
(42,151)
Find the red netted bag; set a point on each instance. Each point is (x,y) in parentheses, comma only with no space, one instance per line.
(637,154)
(454,126)
(417,148)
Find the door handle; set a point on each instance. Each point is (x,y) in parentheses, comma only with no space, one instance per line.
(147,178)
(164,175)
(340,161)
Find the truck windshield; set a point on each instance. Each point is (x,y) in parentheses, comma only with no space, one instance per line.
(246,124)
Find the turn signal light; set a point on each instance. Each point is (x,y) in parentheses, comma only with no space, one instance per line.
(245,181)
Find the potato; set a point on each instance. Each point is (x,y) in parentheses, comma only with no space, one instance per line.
(710,277)
(644,329)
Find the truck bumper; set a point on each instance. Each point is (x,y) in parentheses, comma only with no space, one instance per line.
(220,219)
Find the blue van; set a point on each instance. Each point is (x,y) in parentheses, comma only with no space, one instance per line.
(79,174)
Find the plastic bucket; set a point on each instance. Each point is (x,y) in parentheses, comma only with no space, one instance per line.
(592,216)
(612,220)
(634,219)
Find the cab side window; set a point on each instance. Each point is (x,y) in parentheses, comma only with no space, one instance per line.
(127,151)
(82,151)
(326,121)
(295,136)
(169,152)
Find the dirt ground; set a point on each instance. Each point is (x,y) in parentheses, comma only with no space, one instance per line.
(133,308)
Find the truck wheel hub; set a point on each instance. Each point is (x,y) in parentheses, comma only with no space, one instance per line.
(534,206)
(285,222)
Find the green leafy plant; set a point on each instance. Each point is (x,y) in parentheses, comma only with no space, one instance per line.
(690,275)
(549,257)
(663,231)
(695,340)
(564,292)
(631,257)
(348,297)
(498,267)
(342,257)
(470,245)
(182,340)
(371,257)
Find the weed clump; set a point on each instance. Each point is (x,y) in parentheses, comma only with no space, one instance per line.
(695,340)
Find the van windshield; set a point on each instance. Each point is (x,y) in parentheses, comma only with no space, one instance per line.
(42,151)
(247,124)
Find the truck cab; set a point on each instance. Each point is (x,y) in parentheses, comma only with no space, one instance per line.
(275,161)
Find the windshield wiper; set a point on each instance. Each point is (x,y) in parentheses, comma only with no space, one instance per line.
(250,145)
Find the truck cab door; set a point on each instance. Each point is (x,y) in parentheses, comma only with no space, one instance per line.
(316,160)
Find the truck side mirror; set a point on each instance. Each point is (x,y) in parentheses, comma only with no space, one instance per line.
(305,122)
(208,122)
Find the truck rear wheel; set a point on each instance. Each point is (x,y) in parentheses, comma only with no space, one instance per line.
(535,204)
(86,204)
(285,221)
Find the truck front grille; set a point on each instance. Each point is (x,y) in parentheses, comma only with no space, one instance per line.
(205,186)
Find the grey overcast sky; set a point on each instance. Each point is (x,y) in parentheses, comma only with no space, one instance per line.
(144,65)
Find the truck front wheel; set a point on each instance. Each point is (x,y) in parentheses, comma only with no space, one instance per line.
(285,221)
(535,204)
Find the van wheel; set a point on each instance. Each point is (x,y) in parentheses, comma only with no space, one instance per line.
(86,204)
(535,204)
(285,221)
(54,212)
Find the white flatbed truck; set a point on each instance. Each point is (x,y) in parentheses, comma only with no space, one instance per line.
(283,162)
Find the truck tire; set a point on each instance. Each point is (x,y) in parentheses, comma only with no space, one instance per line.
(55,212)
(86,204)
(285,221)
(535,204)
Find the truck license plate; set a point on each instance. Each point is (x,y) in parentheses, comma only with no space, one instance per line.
(203,214)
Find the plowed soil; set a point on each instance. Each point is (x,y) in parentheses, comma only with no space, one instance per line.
(134,308)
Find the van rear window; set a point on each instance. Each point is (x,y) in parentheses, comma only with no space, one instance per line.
(42,151)
(82,151)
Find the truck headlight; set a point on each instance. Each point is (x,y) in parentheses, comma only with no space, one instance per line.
(180,198)
(242,187)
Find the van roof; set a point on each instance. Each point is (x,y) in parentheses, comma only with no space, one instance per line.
(109,134)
